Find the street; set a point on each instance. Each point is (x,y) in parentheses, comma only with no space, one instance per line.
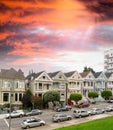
(47,117)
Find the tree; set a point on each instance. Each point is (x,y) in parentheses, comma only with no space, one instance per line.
(106,94)
(37,102)
(26,99)
(92,95)
(51,96)
(88,69)
(76,97)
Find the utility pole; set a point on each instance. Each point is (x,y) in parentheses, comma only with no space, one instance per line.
(66,94)
(10,111)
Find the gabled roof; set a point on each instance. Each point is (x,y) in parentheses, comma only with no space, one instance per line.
(31,75)
(12,74)
(69,74)
(108,74)
(53,74)
(96,74)
(84,74)
(34,75)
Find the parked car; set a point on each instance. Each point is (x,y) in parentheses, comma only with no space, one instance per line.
(64,108)
(61,117)
(32,122)
(15,113)
(80,113)
(110,100)
(34,112)
(94,111)
(84,104)
(109,108)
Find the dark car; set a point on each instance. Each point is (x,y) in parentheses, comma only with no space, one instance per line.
(34,112)
(65,108)
(84,104)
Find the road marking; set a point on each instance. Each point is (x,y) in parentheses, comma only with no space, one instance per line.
(6,122)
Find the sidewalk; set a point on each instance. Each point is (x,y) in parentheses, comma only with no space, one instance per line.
(2,116)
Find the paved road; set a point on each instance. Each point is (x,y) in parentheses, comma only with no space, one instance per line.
(15,122)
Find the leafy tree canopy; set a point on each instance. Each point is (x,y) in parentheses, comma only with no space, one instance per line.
(51,96)
(75,96)
(106,94)
(92,94)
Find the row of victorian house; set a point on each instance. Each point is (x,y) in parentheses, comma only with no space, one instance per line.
(13,84)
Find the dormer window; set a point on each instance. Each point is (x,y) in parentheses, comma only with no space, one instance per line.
(60,77)
(89,76)
(44,77)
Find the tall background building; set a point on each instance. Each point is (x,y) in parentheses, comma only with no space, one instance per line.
(108,60)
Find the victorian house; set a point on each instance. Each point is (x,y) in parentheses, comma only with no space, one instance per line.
(12,86)
(60,84)
(100,82)
(109,81)
(39,83)
(88,82)
(74,82)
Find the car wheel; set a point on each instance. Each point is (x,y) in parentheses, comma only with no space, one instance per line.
(42,124)
(89,114)
(27,127)
(69,118)
(21,115)
(59,121)
(80,116)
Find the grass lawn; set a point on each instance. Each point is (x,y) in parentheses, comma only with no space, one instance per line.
(100,124)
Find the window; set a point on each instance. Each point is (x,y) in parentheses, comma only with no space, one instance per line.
(44,77)
(16,96)
(47,86)
(40,94)
(20,97)
(6,84)
(40,85)
(77,83)
(5,96)
(17,85)
(60,76)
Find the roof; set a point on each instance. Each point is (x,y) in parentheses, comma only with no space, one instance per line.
(12,74)
(69,73)
(34,75)
(96,74)
(84,74)
(108,74)
(53,74)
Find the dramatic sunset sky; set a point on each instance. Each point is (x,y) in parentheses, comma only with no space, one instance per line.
(54,35)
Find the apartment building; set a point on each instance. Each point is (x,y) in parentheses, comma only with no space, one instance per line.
(108,60)
(12,86)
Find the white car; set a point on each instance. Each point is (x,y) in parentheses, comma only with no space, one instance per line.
(80,113)
(61,117)
(94,111)
(32,122)
(15,113)
(109,108)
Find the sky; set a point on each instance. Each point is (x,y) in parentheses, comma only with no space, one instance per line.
(55,35)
